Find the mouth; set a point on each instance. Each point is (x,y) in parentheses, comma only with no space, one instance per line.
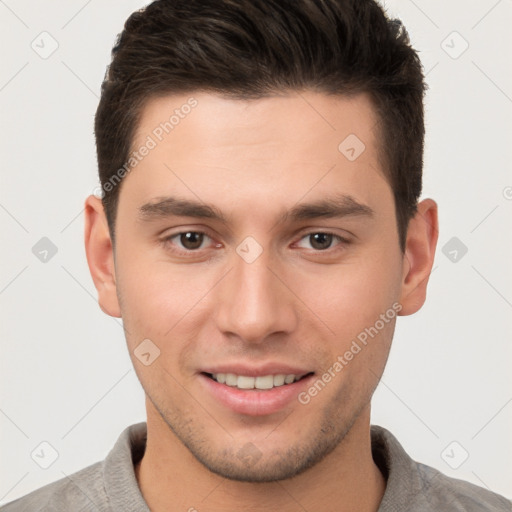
(261,382)
(255,395)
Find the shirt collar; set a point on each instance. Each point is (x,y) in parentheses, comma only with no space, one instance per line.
(405,489)
(121,485)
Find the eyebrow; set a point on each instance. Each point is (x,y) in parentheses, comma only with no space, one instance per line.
(332,207)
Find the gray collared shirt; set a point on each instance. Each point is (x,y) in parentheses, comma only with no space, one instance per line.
(111,486)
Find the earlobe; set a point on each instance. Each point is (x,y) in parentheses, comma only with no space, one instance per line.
(419,255)
(100,256)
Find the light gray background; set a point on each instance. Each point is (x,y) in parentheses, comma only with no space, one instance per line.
(65,374)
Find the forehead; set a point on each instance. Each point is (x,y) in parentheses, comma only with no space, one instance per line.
(286,118)
(300,143)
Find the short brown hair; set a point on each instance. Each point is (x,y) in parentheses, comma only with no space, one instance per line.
(249,49)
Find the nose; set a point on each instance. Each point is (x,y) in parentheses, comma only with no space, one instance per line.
(254,301)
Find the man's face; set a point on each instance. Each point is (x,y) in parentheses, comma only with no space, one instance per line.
(267,287)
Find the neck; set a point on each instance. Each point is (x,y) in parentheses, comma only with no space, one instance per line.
(171,479)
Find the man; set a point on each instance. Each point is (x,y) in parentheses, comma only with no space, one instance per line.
(259,232)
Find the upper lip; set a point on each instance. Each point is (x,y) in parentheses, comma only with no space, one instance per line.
(257,371)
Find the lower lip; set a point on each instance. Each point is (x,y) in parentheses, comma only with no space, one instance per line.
(255,402)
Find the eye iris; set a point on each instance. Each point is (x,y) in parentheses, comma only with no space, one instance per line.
(191,240)
(321,240)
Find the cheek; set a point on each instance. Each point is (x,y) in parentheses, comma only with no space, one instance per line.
(359,305)
(351,296)
(151,299)
(165,304)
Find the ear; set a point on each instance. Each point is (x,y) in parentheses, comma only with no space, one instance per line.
(419,255)
(100,256)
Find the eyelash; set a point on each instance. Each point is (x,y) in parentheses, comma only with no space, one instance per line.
(187,252)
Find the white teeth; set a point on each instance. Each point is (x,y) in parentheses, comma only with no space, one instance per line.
(245,382)
(266,382)
(261,382)
(231,379)
(279,380)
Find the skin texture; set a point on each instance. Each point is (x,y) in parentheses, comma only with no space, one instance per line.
(295,304)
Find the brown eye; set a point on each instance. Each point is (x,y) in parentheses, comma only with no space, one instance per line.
(191,240)
(192,244)
(321,241)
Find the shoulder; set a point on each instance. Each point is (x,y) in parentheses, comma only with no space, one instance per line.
(451,494)
(414,486)
(82,491)
(103,486)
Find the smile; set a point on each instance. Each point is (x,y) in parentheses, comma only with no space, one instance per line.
(261,382)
